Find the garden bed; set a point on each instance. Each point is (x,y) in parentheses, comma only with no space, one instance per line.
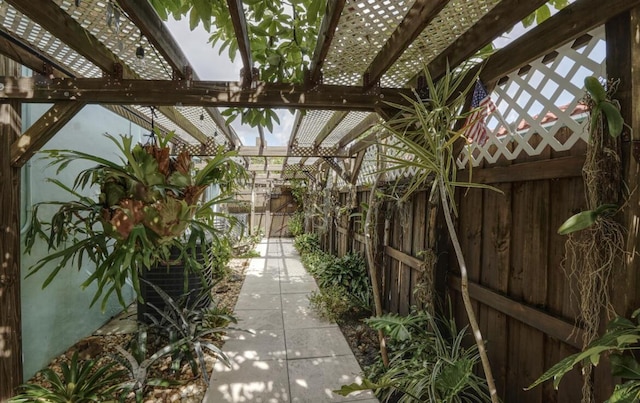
(362,340)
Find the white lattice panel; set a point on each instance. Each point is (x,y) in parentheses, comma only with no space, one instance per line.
(364,27)
(204,122)
(311,124)
(347,124)
(22,27)
(122,40)
(368,168)
(538,103)
(452,21)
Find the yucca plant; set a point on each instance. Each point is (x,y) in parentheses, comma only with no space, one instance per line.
(149,205)
(79,383)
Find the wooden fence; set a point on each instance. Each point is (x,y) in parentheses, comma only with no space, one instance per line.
(515,259)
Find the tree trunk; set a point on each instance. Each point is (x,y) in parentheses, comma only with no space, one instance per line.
(464,290)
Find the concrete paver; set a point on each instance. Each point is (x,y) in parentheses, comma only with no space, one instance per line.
(291,355)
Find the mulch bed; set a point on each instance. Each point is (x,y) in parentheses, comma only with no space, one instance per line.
(192,388)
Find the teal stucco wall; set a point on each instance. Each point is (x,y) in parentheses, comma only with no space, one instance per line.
(55,318)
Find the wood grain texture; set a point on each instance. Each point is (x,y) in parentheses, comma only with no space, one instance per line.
(10,303)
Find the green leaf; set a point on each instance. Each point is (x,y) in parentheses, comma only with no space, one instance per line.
(578,222)
(624,366)
(366,384)
(615,122)
(595,89)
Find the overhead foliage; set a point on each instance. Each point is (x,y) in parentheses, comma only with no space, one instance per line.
(282,38)
(544,12)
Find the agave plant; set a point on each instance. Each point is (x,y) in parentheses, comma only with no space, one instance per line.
(137,366)
(149,204)
(79,383)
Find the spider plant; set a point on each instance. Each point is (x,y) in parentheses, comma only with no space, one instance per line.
(149,205)
(79,383)
(425,131)
(427,362)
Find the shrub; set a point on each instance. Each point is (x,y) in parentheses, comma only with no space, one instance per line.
(296,223)
(331,303)
(80,382)
(220,254)
(427,362)
(348,272)
(307,243)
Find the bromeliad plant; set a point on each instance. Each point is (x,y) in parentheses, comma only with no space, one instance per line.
(79,381)
(149,204)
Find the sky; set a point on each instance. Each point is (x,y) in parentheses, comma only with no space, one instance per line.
(212,66)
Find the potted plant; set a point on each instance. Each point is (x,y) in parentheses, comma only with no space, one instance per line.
(148,213)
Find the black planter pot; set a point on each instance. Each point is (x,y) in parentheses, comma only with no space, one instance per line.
(176,280)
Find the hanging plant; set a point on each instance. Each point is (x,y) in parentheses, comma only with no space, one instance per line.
(595,242)
(149,205)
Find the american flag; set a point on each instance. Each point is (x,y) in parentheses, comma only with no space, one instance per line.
(474,128)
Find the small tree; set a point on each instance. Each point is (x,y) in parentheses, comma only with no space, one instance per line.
(425,132)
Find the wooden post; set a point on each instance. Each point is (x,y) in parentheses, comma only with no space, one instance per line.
(252,218)
(623,63)
(10,311)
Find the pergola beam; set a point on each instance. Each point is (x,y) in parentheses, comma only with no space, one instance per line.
(338,169)
(416,20)
(329,127)
(17,50)
(497,21)
(195,93)
(242,37)
(36,136)
(22,53)
(284,151)
(356,167)
(61,25)
(143,15)
(147,20)
(325,37)
(567,24)
(360,128)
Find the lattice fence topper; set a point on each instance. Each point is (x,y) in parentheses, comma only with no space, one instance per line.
(210,148)
(536,104)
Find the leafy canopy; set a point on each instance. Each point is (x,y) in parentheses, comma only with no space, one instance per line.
(282,38)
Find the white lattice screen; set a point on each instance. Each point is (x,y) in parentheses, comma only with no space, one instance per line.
(536,104)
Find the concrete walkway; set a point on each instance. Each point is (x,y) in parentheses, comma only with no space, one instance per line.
(291,355)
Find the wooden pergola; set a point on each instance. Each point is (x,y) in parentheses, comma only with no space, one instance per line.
(342,106)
